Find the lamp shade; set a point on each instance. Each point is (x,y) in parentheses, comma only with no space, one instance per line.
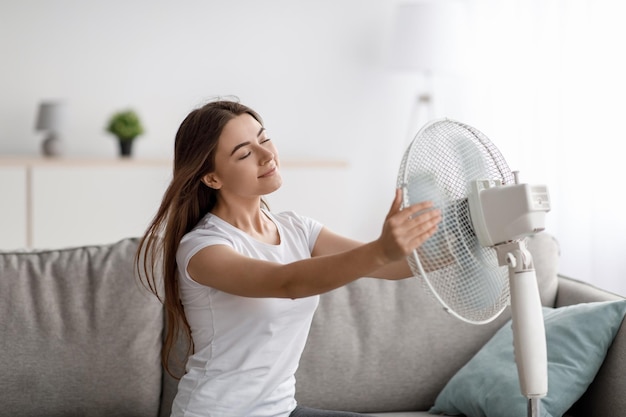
(51,116)
(429,36)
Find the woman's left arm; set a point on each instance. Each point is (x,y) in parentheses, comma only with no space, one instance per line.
(329,243)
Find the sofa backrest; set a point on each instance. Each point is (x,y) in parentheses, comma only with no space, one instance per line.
(380,345)
(79,336)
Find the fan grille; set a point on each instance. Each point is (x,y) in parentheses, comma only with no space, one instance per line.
(439,165)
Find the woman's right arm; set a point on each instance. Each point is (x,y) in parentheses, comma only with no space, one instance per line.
(223,268)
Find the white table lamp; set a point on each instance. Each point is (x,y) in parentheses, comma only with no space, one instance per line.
(51,118)
(429,38)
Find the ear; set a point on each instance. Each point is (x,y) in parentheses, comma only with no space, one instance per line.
(211,181)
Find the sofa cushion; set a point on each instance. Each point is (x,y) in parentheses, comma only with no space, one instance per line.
(578,338)
(381,346)
(78,334)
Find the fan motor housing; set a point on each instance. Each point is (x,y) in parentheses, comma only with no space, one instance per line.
(504,213)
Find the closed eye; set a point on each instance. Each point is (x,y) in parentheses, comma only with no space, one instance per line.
(262,141)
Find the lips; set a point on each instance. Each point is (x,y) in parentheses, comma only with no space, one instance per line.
(268,173)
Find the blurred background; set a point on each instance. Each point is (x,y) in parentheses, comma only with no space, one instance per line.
(349,81)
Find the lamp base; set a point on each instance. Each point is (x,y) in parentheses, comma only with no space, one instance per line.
(52,146)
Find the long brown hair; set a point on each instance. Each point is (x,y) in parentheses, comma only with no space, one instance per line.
(184,203)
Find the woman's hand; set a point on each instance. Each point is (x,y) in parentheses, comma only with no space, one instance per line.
(406,229)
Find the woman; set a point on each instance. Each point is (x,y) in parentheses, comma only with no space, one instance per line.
(242,283)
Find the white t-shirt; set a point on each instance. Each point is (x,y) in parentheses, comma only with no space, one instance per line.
(246,349)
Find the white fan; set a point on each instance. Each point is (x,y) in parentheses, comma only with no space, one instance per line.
(477,262)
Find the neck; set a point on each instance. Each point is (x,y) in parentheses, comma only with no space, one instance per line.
(246,216)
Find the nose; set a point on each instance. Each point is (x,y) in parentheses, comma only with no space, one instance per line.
(266,157)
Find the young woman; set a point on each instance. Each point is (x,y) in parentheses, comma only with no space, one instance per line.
(242,283)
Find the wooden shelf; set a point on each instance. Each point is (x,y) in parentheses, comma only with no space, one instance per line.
(80,161)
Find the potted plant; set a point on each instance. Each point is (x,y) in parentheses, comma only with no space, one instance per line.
(126,125)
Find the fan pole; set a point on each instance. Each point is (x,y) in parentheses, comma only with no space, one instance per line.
(529,337)
(534,407)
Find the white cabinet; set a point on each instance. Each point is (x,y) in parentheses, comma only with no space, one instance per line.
(86,204)
(53,203)
(13,207)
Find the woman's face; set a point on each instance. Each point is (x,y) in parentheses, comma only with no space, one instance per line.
(246,160)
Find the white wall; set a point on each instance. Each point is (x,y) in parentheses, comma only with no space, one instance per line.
(317,72)
(314,70)
(302,66)
(549,79)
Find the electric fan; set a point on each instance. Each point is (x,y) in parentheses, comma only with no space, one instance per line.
(477,262)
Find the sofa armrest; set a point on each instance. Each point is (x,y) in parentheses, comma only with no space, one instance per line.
(605,396)
(571,291)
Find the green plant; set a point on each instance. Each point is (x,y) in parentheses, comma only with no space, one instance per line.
(125,125)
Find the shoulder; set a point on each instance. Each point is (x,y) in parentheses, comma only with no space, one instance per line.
(209,227)
(294,221)
(297,228)
(209,231)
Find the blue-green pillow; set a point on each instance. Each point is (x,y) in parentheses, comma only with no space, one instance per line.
(577,339)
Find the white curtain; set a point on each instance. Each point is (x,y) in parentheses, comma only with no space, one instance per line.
(547,83)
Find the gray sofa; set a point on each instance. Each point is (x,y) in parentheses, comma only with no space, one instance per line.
(80,337)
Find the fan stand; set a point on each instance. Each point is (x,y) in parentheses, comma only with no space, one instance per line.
(534,407)
(529,339)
